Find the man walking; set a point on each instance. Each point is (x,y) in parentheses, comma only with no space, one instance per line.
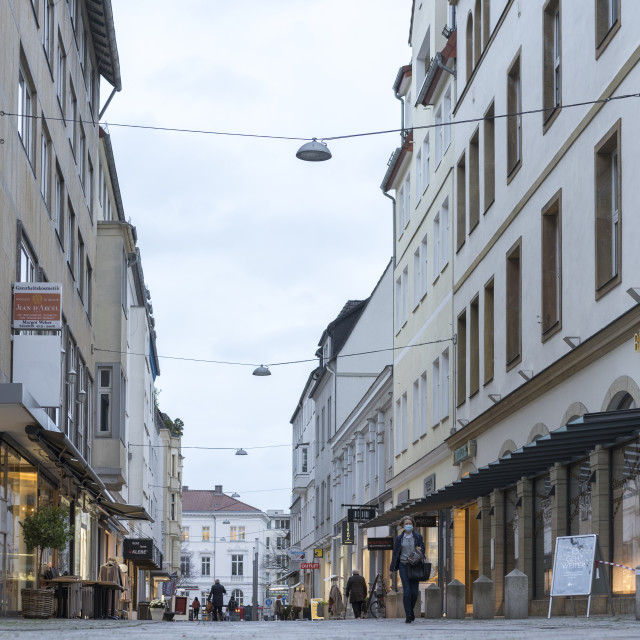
(356,592)
(216,599)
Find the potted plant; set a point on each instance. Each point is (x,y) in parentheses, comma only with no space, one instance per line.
(46,528)
(157,608)
(321,608)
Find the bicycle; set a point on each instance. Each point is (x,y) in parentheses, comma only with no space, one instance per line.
(375,606)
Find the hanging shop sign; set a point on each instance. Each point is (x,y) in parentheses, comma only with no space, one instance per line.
(466,451)
(138,549)
(309,565)
(429,484)
(380,544)
(426,521)
(362,514)
(318,553)
(37,305)
(348,533)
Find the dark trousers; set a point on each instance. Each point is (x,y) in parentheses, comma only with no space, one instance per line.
(409,591)
(357,608)
(217,613)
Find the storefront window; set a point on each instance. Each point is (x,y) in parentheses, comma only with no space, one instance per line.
(511,530)
(580,498)
(625,480)
(46,498)
(465,548)
(20,482)
(542,536)
(82,530)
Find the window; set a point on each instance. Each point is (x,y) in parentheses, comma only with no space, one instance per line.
(238,596)
(89,289)
(486,23)
(401,301)
(426,164)
(71,229)
(280,543)
(329,434)
(404,429)
(45,166)
(205,534)
(417,277)
(444,412)
(82,149)
(514,119)
(489,157)
(423,59)
(444,234)
(304,464)
(206,565)
(469,46)
(474,346)
(488,334)
(461,204)
(62,74)
(424,260)
(415,398)
(462,358)
(60,197)
(513,316)
(407,200)
(185,534)
(423,403)
(236,533)
(474,181)
(551,266)
(608,214)
(173,507)
(477,33)
(73,119)
(80,262)
(607,23)
(419,178)
(105,392)
(26,114)
(408,111)
(89,189)
(439,135)
(72,364)
(237,565)
(436,246)
(435,392)
(446,115)
(405,294)
(551,76)
(47,30)
(28,267)
(401,213)
(185,563)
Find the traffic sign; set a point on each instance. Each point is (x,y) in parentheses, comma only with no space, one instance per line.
(268,602)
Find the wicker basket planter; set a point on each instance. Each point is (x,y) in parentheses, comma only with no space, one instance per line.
(37,603)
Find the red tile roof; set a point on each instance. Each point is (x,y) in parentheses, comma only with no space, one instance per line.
(209,500)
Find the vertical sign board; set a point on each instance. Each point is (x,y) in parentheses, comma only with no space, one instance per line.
(348,533)
(37,305)
(575,571)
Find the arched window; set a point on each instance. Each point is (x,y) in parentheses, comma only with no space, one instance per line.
(469,47)
(238,596)
(621,401)
(486,25)
(477,33)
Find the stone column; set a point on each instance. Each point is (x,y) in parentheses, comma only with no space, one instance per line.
(484,559)
(526,524)
(496,500)
(600,501)
(559,506)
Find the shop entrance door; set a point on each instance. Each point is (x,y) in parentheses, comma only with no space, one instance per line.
(465,549)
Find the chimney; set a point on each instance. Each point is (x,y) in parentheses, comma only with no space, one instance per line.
(218,489)
(185,488)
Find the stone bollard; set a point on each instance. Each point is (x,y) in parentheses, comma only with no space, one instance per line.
(433,601)
(637,593)
(455,600)
(516,595)
(484,598)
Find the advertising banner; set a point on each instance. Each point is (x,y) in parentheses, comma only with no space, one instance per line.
(37,305)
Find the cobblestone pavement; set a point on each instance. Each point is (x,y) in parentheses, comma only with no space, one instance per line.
(395,629)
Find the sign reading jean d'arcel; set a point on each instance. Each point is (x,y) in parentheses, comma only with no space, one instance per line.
(576,571)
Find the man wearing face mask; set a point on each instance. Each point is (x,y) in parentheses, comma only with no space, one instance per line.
(407,543)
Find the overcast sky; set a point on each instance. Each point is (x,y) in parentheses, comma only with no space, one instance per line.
(248,252)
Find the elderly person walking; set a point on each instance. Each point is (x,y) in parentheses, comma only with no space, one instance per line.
(356,592)
(216,599)
(406,544)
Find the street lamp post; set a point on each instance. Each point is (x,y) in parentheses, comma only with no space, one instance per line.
(254,608)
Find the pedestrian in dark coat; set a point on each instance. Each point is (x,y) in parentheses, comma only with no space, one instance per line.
(216,599)
(356,592)
(405,544)
(196,607)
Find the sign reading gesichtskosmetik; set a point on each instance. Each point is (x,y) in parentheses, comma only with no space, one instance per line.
(37,305)
(362,514)
(138,549)
(573,566)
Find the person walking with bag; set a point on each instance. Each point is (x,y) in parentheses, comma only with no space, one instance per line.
(407,548)
(196,607)
(216,599)
(356,592)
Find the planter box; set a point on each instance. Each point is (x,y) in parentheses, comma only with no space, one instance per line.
(156,613)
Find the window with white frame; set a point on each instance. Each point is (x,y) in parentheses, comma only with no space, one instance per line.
(423,59)
(73,119)
(417,265)
(405,294)
(415,402)
(439,135)
(436,246)
(444,234)
(59,200)
(26,113)
(236,533)
(398,426)
(206,566)
(206,532)
(401,212)
(105,393)
(404,422)
(408,111)
(446,116)
(444,405)
(47,30)
(28,269)
(304,460)
(435,392)
(424,259)
(71,245)
(237,565)
(419,167)
(61,68)
(426,163)
(407,200)
(45,166)
(185,534)
(423,403)
(82,150)
(238,596)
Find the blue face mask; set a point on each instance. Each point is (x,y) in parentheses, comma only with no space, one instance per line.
(408,528)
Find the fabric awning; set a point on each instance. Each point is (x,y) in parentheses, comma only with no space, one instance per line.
(564,445)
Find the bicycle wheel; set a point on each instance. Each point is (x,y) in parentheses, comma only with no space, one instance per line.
(376,610)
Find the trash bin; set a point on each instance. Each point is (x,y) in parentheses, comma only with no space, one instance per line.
(143,611)
(247,612)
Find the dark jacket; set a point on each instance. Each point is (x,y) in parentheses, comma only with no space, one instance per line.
(356,588)
(397,549)
(215,595)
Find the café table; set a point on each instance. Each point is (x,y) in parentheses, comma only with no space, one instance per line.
(105,597)
(68,594)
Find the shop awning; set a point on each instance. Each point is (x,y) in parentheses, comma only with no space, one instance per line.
(564,445)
